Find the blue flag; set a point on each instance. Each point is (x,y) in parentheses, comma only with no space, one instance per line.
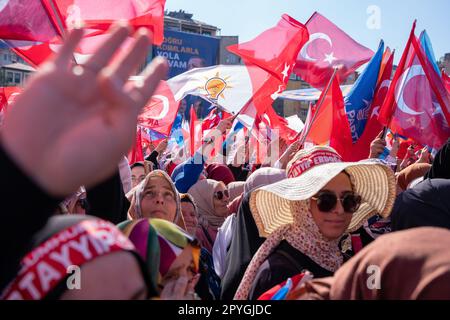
(425,42)
(357,102)
(229,140)
(176,132)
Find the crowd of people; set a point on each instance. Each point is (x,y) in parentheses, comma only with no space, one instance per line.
(310,227)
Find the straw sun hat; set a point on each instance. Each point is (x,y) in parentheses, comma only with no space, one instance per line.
(272,205)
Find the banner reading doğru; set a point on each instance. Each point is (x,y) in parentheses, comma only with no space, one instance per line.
(185,51)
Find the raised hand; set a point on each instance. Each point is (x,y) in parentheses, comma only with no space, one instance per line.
(377,146)
(72,124)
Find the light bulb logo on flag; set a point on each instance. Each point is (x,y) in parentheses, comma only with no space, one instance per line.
(215,87)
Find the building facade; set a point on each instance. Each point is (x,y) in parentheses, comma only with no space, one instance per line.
(14,71)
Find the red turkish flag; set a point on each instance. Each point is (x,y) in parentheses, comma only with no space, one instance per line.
(7,96)
(192,123)
(97,16)
(211,120)
(274,51)
(417,104)
(330,126)
(328,47)
(160,112)
(361,149)
(280,125)
(446,80)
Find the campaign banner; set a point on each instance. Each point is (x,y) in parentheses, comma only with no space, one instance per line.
(185,51)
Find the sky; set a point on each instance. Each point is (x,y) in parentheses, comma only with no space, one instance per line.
(248,18)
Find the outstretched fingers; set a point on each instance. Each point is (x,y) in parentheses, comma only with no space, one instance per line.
(65,55)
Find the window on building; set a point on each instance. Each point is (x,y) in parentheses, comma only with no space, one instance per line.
(17,77)
(9,76)
(5,57)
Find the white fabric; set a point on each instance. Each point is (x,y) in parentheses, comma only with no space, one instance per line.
(222,242)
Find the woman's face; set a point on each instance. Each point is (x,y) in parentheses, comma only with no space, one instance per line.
(221,200)
(159,200)
(190,218)
(333,224)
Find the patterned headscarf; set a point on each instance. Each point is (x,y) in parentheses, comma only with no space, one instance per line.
(159,242)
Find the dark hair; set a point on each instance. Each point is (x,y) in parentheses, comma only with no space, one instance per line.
(137,164)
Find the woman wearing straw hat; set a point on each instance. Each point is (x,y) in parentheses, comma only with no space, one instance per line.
(304,218)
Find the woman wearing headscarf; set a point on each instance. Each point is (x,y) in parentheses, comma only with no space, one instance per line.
(156,197)
(305,217)
(212,199)
(406,265)
(108,265)
(246,239)
(189,210)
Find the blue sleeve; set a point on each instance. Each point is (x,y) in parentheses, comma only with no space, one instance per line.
(187,173)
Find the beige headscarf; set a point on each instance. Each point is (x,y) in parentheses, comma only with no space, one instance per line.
(235,189)
(203,194)
(137,193)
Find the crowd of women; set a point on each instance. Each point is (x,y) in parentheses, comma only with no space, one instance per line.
(313,227)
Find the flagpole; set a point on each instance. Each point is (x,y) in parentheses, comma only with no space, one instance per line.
(59,27)
(324,93)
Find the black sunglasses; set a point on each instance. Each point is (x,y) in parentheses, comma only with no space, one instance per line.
(220,194)
(327,200)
